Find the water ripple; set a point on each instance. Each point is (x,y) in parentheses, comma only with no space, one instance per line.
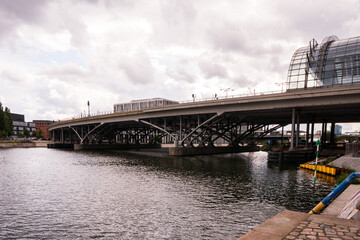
(57,194)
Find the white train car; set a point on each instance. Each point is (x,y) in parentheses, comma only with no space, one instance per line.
(142,104)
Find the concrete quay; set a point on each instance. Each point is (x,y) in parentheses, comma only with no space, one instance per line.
(347,161)
(296,225)
(36,143)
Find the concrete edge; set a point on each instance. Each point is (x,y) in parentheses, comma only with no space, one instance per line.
(330,219)
(277,227)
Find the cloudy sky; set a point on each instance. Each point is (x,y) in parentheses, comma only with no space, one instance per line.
(57,55)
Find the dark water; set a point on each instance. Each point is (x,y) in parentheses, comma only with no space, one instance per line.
(56,194)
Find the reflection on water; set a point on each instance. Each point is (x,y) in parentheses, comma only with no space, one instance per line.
(49,193)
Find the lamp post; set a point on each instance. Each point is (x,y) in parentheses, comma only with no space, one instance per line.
(88,103)
(226,90)
(282,85)
(251,92)
(193,96)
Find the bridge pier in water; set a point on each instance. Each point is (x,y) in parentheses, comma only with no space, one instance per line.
(191,151)
(115,146)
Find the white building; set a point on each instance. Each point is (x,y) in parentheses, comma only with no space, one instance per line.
(142,104)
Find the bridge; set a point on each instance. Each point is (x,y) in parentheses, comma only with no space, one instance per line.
(218,125)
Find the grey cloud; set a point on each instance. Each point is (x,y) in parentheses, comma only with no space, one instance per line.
(12,76)
(227,37)
(242,81)
(230,37)
(306,20)
(211,70)
(16,12)
(178,12)
(43,94)
(69,69)
(111,3)
(78,31)
(181,75)
(137,68)
(275,65)
(175,23)
(23,9)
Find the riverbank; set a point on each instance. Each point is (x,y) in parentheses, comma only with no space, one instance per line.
(298,225)
(347,161)
(24,144)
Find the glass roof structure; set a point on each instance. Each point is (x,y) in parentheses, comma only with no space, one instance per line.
(332,62)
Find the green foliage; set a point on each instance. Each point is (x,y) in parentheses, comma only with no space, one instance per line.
(158,139)
(343,176)
(349,139)
(26,133)
(6,123)
(33,134)
(349,169)
(330,159)
(3,134)
(39,133)
(20,135)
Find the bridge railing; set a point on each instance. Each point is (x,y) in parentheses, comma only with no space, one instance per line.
(87,115)
(180,102)
(231,96)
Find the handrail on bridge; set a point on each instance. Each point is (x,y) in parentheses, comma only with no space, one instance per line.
(196,100)
(180,102)
(329,198)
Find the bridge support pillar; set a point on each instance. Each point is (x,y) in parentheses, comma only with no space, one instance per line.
(312,132)
(323,133)
(297,128)
(292,129)
(332,134)
(307,134)
(62,135)
(209,150)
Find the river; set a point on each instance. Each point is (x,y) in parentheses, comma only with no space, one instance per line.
(61,194)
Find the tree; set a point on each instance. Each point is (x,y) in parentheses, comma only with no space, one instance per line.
(33,133)
(39,133)
(20,135)
(3,134)
(6,123)
(2,122)
(26,133)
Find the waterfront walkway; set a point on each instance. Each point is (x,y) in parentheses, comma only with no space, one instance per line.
(297,225)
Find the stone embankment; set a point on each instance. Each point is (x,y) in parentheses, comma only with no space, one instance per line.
(24,144)
(296,225)
(347,161)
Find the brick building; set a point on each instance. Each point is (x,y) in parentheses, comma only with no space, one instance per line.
(43,125)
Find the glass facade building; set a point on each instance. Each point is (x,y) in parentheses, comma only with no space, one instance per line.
(332,62)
